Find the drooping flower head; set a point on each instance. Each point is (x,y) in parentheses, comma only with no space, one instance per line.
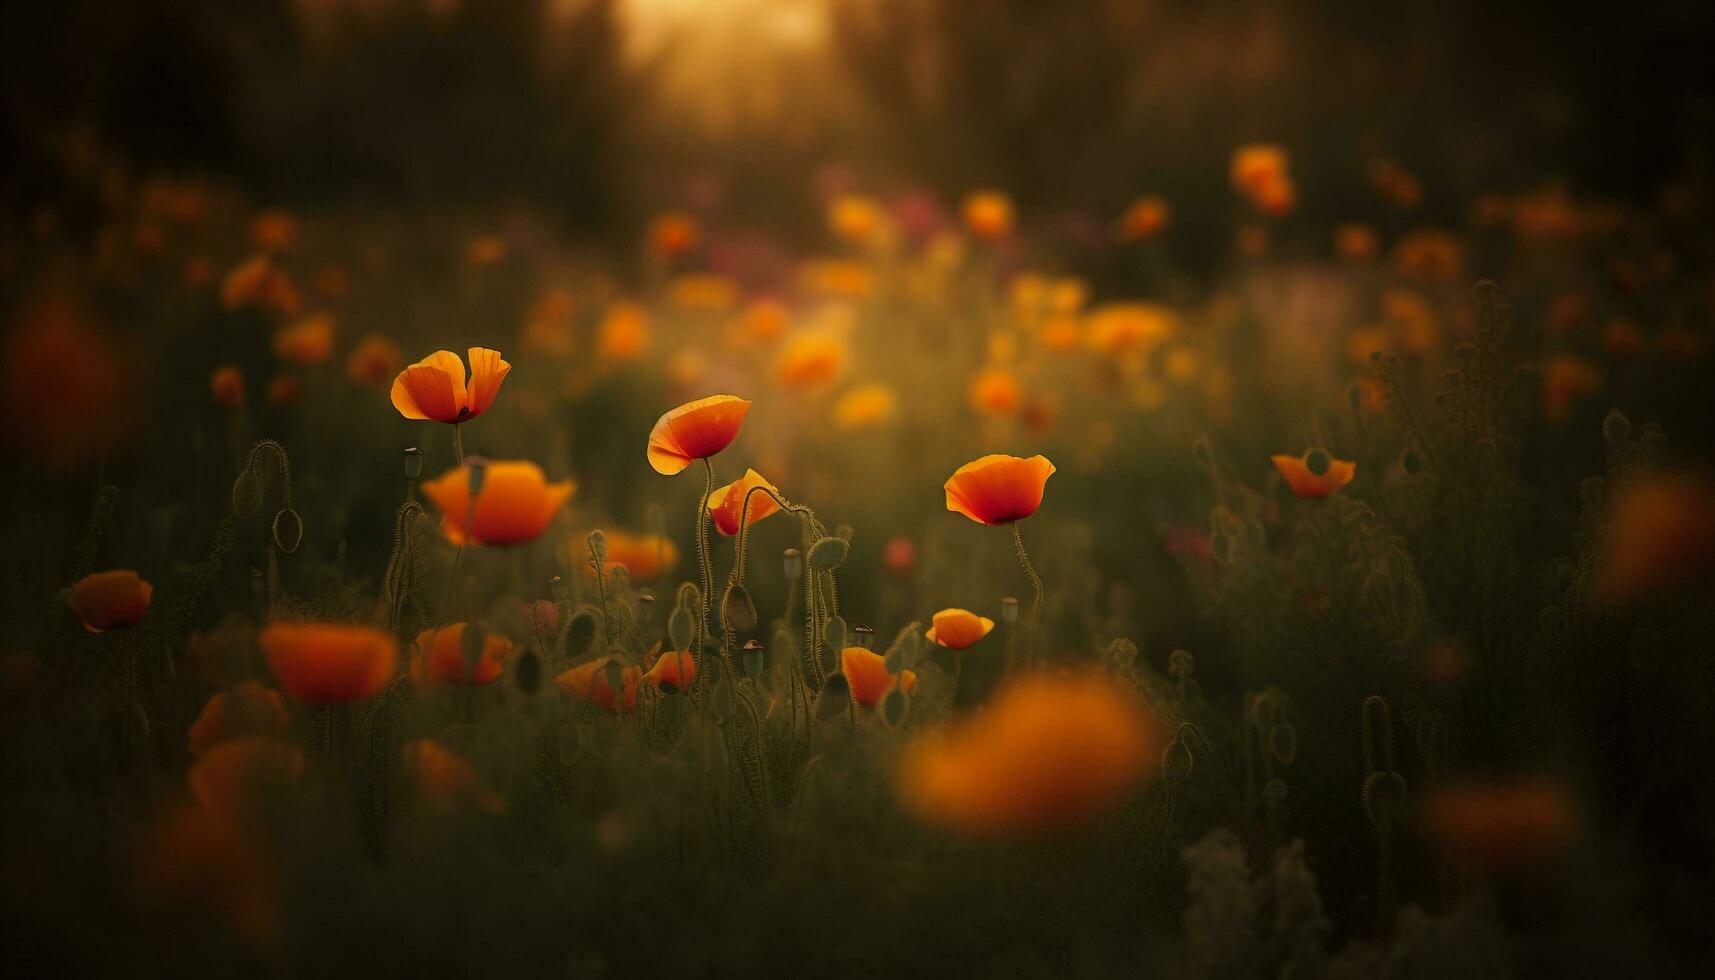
(324,663)
(1314,474)
(514,502)
(726,502)
(1050,751)
(998,489)
(866,674)
(957,629)
(695,430)
(443,650)
(110,600)
(434,388)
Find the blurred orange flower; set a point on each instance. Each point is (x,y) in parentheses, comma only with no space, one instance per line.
(988,214)
(589,682)
(643,556)
(226,384)
(1566,379)
(624,332)
(811,358)
(701,291)
(375,359)
(309,341)
(485,250)
(548,325)
(865,407)
(726,502)
(514,502)
(283,389)
(1145,218)
(766,319)
(1050,751)
(695,430)
(322,663)
(110,600)
(448,663)
(674,233)
(239,774)
(1314,474)
(836,277)
(212,860)
(274,230)
(1356,242)
(1117,328)
(446,779)
(1660,533)
(247,709)
(1501,826)
(1430,255)
(998,489)
(855,218)
(260,283)
(957,629)
(1255,165)
(69,389)
(994,391)
(866,674)
(434,388)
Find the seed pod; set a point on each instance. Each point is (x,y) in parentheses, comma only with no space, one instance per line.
(738,612)
(680,626)
(1384,798)
(863,636)
(288,530)
(1283,743)
(828,554)
(1177,762)
(894,707)
(835,634)
(413,463)
(793,560)
(247,493)
(598,547)
(1009,610)
(752,659)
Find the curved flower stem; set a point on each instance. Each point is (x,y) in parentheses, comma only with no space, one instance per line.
(1030,570)
(703,561)
(741,543)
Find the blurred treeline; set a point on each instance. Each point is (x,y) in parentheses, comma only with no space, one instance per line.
(1078,104)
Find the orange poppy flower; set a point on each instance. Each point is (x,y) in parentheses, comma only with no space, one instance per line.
(226,383)
(239,774)
(1117,328)
(1430,254)
(1050,751)
(309,341)
(865,407)
(375,359)
(811,358)
(1276,197)
(727,501)
(988,214)
(702,291)
(1566,380)
(866,673)
(1145,218)
(994,391)
(589,683)
(446,657)
(548,326)
(110,600)
(445,779)
(695,430)
(1315,474)
(836,277)
(1509,826)
(998,489)
(643,556)
(624,332)
(1661,533)
(247,709)
(211,860)
(1356,242)
(258,282)
(322,663)
(434,387)
(957,629)
(676,669)
(516,502)
(674,233)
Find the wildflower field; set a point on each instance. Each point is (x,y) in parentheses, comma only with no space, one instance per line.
(486,501)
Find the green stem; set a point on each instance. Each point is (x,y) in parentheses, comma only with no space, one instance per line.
(703,561)
(458,444)
(1030,570)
